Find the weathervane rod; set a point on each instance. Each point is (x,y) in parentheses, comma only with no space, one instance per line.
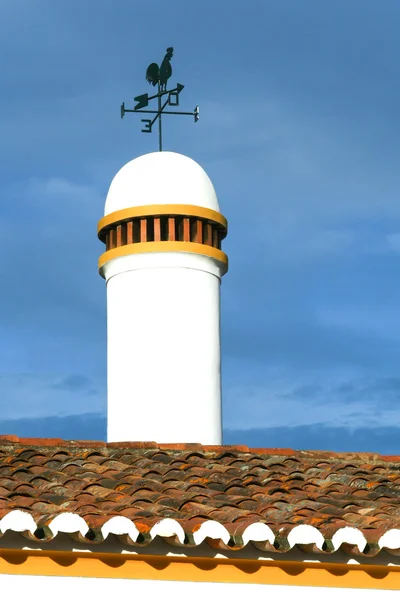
(158,76)
(159,122)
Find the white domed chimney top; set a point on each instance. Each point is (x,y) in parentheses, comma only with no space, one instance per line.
(161,178)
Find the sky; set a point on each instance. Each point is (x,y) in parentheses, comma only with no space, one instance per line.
(299,132)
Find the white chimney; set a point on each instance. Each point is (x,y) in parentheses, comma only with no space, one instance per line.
(163,266)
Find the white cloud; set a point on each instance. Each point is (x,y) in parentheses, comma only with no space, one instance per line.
(316,167)
(35,395)
(393,240)
(57,198)
(52,316)
(383,321)
(294,244)
(306,187)
(278,398)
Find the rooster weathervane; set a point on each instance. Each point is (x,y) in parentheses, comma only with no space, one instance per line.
(158,76)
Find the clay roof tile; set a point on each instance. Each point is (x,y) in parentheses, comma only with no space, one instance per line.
(193,492)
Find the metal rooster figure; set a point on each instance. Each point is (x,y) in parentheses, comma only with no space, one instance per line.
(158,76)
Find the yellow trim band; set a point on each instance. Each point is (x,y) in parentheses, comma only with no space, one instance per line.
(188,210)
(142,247)
(152,568)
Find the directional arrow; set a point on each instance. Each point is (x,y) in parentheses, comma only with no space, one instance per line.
(165,97)
(142,101)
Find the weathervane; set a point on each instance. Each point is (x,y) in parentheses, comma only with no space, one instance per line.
(158,76)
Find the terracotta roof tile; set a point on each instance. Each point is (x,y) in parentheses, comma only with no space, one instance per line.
(188,493)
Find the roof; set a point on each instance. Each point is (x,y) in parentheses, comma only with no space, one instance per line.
(229,496)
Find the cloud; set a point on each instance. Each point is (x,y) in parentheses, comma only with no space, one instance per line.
(393,240)
(74,383)
(39,395)
(282,398)
(53,260)
(307,190)
(52,316)
(382,440)
(86,426)
(380,321)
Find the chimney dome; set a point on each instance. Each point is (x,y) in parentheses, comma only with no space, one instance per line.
(161,178)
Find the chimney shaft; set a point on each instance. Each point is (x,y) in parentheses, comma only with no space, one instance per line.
(163,266)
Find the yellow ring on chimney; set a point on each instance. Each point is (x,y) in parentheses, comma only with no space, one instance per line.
(142,247)
(185,210)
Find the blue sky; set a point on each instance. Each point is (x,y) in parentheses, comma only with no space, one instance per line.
(299,133)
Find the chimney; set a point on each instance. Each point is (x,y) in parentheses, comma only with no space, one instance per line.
(163,266)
